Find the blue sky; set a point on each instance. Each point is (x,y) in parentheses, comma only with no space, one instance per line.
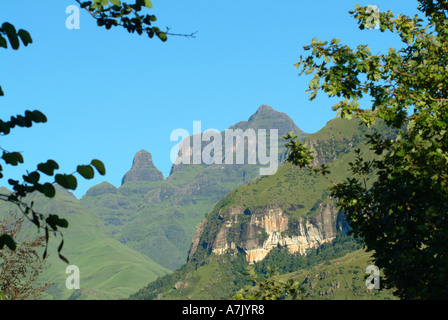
(109,94)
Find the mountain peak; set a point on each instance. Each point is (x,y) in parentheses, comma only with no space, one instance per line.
(143,169)
(143,156)
(267,117)
(265,107)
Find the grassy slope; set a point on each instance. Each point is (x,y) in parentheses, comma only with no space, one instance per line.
(159,218)
(289,186)
(108,268)
(292,185)
(339,279)
(169,213)
(212,280)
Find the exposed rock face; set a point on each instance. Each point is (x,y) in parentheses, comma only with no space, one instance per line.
(196,239)
(325,151)
(258,231)
(143,169)
(264,118)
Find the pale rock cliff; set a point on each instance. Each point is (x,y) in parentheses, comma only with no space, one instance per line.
(258,231)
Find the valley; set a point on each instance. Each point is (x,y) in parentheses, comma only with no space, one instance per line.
(124,237)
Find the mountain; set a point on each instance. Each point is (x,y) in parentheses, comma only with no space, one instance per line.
(220,277)
(290,209)
(143,169)
(339,279)
(158,218)
(207,221)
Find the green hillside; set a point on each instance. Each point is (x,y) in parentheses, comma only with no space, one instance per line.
(159,218)
(295,187)
(295,190)
(220,277)
(108,269)
(339,279)
(122,238)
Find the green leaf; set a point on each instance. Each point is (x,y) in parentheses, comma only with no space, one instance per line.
(32,178)
(36,116)
(3,43)
(25,36)
(59,252)
(99,166)
(20,121)
(66,181)
(63,258)
(63,223)
(61,245)
(146,3)
(86,171)
(48,190)
(116,2)
(7,240)
(54,221)
(400,153)
(12,158)
(48,167)
(11,34)
(162,36)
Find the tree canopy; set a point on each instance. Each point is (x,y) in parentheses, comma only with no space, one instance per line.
(402,216)
(269,288)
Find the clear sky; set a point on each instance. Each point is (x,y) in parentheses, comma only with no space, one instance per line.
(109,94)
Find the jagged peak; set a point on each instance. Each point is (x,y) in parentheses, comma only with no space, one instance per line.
(143,156)
(143,169)
(267,117)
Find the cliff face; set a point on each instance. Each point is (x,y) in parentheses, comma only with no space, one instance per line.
(257,231)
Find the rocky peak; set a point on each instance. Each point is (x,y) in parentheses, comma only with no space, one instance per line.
(264,118)
(265,107)
(144,157)
(268,118)
(256,232)
(263,110)
(143,169)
